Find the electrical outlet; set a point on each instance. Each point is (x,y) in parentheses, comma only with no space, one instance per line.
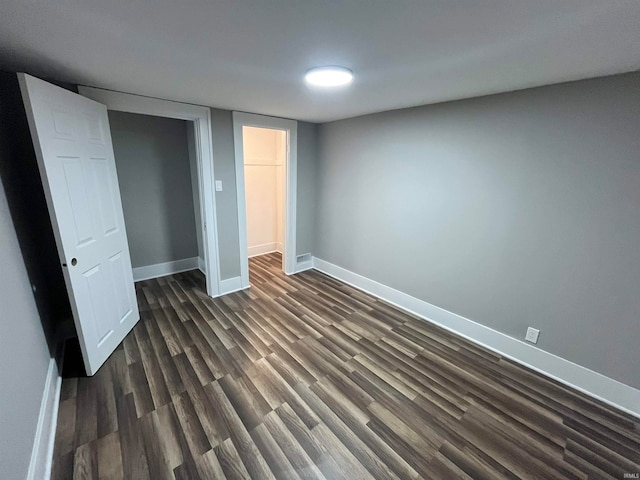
(218,185)
(532,335)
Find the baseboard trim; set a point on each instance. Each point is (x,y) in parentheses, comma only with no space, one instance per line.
(163,269)
(594,384)
(202,266)
(302,266)
(231,285)
(264,249)
(42,453)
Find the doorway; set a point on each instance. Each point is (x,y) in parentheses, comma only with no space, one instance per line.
(266,182)
(264,161)
(157,176)
(198,123)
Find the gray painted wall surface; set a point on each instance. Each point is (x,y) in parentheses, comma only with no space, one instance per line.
(24,354)
(511,210)
(152,160)
(226,204)
(306,205)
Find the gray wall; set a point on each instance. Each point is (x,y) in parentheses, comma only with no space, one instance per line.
(152,160)
(24,354)
(226,205)
(511,210)
(306,205)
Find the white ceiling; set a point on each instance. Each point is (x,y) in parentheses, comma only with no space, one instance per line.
(251,55)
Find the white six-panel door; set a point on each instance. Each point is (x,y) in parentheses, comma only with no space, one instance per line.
(72,141)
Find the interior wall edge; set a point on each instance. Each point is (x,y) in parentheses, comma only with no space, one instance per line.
(594,384)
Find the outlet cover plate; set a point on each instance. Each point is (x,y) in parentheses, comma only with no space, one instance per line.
(532,335)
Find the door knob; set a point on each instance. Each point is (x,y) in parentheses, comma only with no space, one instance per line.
(74,262)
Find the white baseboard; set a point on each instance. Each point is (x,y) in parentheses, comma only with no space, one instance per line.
(202,266)
(42,453)
(594,384)
(162,269)
(302,266)
(231,285)
(256,250)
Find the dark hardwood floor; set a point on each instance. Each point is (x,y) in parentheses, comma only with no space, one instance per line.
(306,377)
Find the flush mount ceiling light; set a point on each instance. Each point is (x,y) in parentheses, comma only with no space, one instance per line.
(330,76)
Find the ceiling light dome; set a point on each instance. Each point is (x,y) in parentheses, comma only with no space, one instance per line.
(329,76)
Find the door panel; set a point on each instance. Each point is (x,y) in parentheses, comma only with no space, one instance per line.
(75,156)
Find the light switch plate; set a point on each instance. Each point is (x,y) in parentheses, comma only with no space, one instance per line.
(218,185)
(532,335)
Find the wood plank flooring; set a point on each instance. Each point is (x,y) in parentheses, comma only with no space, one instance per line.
(305,377)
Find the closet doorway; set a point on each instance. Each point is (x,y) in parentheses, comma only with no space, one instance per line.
(170,203)
(265,151)
(264,159)
(157,175)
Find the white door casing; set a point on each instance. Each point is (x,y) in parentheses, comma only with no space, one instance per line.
(241,119)
(73,146)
